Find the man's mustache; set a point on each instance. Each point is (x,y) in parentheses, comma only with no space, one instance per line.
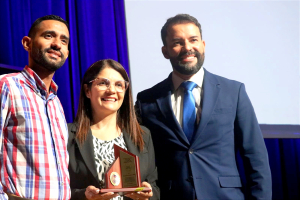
(53,49)
(196,53)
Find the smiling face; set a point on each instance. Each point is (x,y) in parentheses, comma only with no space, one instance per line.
(185,48)
(105,102)
(49,47)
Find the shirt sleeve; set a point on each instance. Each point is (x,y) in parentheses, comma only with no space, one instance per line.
(4,112)
(3,196)
(5,108)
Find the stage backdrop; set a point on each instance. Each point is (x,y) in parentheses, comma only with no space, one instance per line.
(97,31)
(254,42)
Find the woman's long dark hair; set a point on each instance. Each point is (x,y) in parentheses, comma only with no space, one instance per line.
(126,118)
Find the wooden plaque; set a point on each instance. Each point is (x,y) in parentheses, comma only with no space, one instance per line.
(124,173)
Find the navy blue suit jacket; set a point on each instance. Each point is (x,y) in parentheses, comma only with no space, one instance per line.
(207,167)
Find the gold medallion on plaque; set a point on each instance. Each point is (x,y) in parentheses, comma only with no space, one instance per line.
(114,178)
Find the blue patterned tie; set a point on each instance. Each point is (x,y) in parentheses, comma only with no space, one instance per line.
(189,112)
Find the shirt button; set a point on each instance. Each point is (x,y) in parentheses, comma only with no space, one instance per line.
(58,163)
(191,151)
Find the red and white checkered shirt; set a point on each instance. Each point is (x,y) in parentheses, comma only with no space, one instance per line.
(33,139)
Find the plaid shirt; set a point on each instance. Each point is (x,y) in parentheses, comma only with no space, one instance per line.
(33,139)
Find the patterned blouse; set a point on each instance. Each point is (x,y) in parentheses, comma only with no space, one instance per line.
(104,156)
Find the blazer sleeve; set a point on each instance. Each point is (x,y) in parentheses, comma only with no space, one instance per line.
(151,177)
(252,149)
(76,194)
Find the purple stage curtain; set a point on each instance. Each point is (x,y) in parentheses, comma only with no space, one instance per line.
(97,31)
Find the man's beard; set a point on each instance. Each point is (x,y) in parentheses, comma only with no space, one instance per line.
(40,58)
(185,68)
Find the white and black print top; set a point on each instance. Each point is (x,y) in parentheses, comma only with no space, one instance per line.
(104,156)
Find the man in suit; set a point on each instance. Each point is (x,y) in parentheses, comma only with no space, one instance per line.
(199,121)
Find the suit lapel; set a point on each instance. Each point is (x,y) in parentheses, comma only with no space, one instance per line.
(164,104)
(211,91)
(87,152)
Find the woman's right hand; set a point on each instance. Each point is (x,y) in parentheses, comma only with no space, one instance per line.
(93,193)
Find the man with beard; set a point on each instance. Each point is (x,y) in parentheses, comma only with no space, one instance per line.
(33,132)
(199,121)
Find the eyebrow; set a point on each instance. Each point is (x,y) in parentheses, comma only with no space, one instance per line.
(54,33)
(196,36)
(177,38)
(65,37)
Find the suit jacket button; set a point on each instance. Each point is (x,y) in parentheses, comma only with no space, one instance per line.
(191,151)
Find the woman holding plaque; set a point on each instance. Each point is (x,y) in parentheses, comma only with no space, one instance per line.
(105,117)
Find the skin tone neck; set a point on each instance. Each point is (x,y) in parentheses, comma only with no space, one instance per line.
(184,77)
(105,127)
(45,75)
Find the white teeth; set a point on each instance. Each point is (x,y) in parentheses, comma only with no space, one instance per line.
(109,99)
(53,55)
(189,58)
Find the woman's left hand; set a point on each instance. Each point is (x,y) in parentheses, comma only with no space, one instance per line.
(141,195)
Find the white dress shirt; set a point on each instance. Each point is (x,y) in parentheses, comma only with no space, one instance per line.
(177,95)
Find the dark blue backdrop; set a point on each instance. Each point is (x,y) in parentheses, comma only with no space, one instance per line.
(98,31)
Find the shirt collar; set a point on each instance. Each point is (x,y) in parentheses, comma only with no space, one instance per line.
(36,82)
(196,78)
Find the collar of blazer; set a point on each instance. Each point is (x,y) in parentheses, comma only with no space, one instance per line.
(87,149)
(211,89)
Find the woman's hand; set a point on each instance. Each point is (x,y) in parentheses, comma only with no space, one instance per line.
(93,193)
(141,195)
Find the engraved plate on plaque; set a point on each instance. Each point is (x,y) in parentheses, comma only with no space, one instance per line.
(128,168)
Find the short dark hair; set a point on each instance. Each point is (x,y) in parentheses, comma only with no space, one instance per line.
(179,19)
(32,30)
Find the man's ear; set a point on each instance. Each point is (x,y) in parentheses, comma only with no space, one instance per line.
(26,41)
(87,91)
(165,52)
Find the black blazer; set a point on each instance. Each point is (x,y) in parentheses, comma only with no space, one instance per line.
(82,167)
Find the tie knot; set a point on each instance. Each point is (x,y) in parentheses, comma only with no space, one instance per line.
(188,85)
